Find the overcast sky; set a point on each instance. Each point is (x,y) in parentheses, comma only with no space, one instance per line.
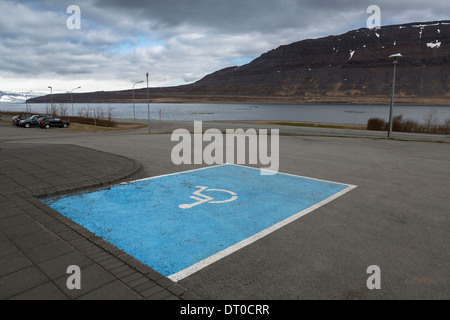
(175,41)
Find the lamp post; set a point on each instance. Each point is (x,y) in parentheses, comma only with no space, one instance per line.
(394,57)
(71,98)
(26,101)
(134,111)
(148,106)
(51,98)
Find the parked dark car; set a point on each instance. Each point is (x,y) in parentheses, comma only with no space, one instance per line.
(47,122)
(16,119)
(31,121)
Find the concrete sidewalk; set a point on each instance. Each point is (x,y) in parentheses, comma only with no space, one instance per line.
(37,244)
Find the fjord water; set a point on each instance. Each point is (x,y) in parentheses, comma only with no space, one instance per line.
(327,113)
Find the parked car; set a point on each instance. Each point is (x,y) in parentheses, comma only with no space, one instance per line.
(47,122)
(31,121)
(16,119)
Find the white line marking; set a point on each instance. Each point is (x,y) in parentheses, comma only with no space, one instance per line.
(234,195)
(172,174)
(294,175)
(219,255)
(203,198)
(231,164)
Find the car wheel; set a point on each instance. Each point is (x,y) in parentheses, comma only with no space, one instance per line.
(47,126)
(65,125)
(27,125)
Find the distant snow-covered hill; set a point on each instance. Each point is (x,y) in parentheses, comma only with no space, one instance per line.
(17,97)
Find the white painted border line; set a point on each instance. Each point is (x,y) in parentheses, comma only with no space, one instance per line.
(232,164)
(172,174)
(293,175)
(219,255)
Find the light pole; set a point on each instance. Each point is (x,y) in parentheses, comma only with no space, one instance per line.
(134,111)
(26,101)
(394,57)
(51,98)
(71,98)
(148,107)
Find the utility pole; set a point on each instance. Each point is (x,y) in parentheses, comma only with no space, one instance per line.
(134,110)
(391,109)
(71,98)
(51,99)
(148,106)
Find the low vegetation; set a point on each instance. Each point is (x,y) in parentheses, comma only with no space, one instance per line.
(312,125)
(93,116)
(90,116)
(430,125)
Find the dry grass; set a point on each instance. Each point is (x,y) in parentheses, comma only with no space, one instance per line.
(83,124)
(430,125)
(80,127)
(312,125)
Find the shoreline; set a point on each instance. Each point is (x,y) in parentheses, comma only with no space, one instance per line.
(440,102)
(444,102)
(291,128)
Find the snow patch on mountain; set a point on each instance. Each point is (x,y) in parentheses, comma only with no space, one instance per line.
(432,45)
(352,52)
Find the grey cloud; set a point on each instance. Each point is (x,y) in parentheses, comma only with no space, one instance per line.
(243,16)
(182,40)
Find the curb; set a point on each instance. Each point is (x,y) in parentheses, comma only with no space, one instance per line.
(133,278)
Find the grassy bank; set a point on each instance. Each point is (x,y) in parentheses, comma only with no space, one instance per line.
(312,125)
(88,126)
(80,127)
(430,125)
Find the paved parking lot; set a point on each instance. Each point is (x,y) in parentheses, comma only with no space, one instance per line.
(38,244)
(397,218)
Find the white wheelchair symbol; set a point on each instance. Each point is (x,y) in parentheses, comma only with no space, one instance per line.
(202,198)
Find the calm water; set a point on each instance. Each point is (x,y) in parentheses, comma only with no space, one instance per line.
(341,114)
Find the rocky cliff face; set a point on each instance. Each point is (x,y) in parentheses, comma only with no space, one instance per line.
(352,64)
(351,68)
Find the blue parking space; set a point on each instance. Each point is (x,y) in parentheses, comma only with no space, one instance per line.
(179,223)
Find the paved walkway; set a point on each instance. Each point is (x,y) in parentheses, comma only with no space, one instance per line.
(37,244)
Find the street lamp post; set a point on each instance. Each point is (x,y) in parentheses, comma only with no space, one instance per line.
(134,111)
(26,100)
(71,98)
(148,107)
(51,98)
(394,57)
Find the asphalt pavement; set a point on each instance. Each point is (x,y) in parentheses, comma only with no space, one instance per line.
(397,217)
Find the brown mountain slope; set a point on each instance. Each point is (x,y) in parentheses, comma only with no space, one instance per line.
(349,68)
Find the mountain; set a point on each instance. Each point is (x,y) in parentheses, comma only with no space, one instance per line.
(16,97)
(349,68)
